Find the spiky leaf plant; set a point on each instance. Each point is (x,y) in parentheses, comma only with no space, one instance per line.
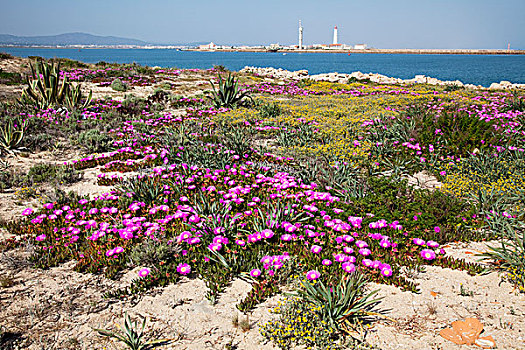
(228,93)
(11,135)
(345,306)
(133,335)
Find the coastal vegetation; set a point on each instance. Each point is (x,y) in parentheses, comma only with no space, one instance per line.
(311,190)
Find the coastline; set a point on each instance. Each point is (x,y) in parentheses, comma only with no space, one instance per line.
(259,50)
(335,77)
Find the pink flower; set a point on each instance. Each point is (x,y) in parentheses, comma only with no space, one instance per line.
(418,241)
(183,269)
(144,272)
(348,267)
(437,229)
(428,254)
(267,233)
(312,275)
(48,205)
(361,244)
(367,262)
(386,272)
(365,252)
(326,262)
(255,273)
(27,211)
(41,237)
(433,244)
(316,249)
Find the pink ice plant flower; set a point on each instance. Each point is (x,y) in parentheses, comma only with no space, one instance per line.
(428,254)
(255,273)
(316,249)
(144,272)
(312,275)
(348,267)
(183,269)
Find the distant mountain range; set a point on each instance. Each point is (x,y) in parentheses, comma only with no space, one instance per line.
(69,39)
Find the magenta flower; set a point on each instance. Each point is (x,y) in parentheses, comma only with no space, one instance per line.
(326,262)
(365,252)
(386,272)
(27,211)
(348,267)
(255,273)
(385,243)
(437,229)
(428,254)
(41,237)
(418,241)
(183,269)
(267,233)
(433,244)
(361,244)
(348,250)
(144,272)
(340,257)
(367,262)
(316,249)
(312,275)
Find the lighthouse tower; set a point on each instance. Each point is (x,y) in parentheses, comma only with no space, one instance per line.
(300,36)
(335,36)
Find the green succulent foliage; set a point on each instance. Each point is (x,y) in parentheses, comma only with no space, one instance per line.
(11,135)
(228,93)
(510,255)
(132,335)
(345,306)
(74,98)
(46,89)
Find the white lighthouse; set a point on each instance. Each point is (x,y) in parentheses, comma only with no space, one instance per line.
(335,36)
(300,36)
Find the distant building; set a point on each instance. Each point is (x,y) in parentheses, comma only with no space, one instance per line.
(360,47)
(210,46)
(335,41)
(300,36)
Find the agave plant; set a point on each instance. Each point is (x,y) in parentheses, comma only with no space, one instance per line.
(133,336)
(46,89)
(75,100)
(228,94)
(11,135)
(345,306)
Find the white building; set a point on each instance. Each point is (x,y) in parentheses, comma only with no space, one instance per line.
(300,36)
(335,36)
(360,47)
(210,46)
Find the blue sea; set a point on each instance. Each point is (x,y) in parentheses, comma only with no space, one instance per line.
(473,69)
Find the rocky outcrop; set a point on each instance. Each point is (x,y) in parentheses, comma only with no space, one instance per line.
(373,77)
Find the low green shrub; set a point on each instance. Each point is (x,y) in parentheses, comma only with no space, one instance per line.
(94,141)
(118,85)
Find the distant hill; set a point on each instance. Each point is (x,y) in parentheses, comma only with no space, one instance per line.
(68,39)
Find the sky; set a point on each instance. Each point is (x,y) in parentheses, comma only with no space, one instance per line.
(440,24)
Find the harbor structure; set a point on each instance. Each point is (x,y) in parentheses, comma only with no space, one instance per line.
(335,36)
(300,35)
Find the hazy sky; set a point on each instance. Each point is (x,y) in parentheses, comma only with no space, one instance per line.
(378,23)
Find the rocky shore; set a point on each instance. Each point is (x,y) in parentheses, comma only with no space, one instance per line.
(373,77)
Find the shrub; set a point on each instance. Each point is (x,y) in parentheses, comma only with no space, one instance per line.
(9,78)
(94,141)
(118,85)
(45,172)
